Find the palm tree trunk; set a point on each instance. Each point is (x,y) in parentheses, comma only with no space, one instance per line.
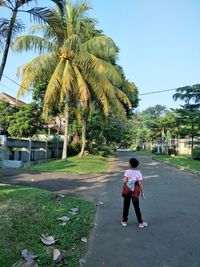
(65,144)
(7,45)
(83,137)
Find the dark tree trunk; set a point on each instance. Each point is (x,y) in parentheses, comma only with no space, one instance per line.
(7,45)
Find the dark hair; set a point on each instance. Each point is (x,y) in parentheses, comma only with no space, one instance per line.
(134,162)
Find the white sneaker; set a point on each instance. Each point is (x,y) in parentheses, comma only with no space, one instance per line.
(124,223)
(142,225)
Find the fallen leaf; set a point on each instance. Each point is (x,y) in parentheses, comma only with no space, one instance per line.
(100,203)
(48,240)
(28,255)
(74,209)
(84,239)
(82,262)
(56,255)
(63,218)
(62,224)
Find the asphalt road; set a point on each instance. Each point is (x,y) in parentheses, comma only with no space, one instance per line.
(172,208)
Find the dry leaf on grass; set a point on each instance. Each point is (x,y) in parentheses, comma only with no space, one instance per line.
(48,240)
(63,218)
(84,239)
(28,255)
(56,255)
(74,211)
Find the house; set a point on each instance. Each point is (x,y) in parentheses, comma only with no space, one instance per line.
(12,100)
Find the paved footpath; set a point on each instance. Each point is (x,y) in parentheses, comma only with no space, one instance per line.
(172,208)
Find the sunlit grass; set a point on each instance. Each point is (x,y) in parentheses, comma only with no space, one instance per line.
(180,160)
(87,164)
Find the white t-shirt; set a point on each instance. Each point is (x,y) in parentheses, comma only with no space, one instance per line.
(133,176)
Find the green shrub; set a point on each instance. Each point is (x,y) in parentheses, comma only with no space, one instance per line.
(73,149)
(154,150)
(132,147)
(196,153)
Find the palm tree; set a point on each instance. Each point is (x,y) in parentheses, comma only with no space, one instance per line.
(78,62)
(9,27)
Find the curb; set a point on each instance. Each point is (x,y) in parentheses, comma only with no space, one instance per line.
(178,167)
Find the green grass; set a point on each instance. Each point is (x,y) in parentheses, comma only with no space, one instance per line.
(87,164)
(182,161)
(26,213)
(144,153)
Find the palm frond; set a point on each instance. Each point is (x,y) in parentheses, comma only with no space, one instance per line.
(73,44)
(53,91)
(33,43)
(84,93)
(35,70)
(131,91)
(7,4)
(68,81)
(20,3)
(102,47)
(122,97)
(106,69)
(4,26)
(60,4)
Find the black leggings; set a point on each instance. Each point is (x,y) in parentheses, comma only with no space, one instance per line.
(127,201)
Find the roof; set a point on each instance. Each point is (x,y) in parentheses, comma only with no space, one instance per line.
(12,100)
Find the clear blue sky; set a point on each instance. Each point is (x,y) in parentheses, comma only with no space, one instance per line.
(159,45)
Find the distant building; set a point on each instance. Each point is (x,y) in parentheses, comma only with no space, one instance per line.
(12,100)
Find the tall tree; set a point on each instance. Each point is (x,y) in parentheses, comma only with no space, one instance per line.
(10,27)
(189,113)
(80,64)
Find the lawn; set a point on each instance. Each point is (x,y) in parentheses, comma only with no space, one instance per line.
(26,213)
(87,164)
(180,160)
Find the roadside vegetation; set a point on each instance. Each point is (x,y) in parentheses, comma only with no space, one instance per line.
(179,160)
(27,213)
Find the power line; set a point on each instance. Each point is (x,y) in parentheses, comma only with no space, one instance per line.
(6,86)
(156,92)
(11,79)
(140,94)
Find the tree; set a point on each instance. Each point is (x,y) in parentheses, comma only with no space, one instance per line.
(10,27)
(81,66)
(155,111)
(21,121)
(189,113)
(6,112)
(26,122)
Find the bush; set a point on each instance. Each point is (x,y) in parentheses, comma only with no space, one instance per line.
(172,151)
(73,149)
(196,153)
(133,147)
